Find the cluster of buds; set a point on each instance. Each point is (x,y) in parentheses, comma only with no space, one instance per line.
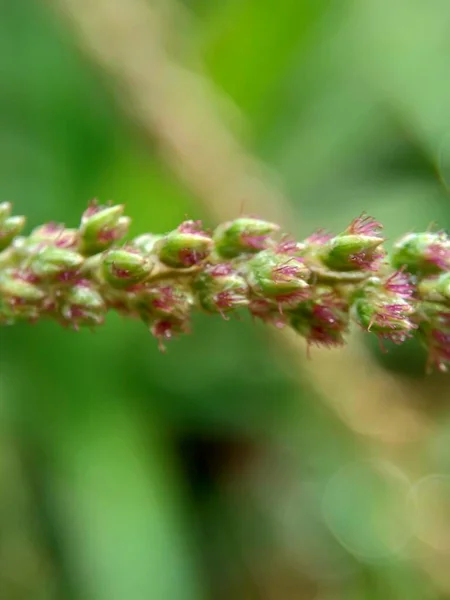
(317,287)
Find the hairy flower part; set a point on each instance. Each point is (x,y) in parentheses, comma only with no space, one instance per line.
(75,276)
(422,253)
(365,225)
(323,320)
(388,319)
(101,226)
(185,247)
(358,248)
(398,284)
(245,235)
(125,267)
(278,277)
(319,238)
(220,289)
(268,312)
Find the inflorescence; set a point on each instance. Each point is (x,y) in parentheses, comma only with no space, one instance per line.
(316,287)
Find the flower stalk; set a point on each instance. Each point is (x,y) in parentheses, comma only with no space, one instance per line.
(318,287)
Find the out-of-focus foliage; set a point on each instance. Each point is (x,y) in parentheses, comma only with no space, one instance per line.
(214,471)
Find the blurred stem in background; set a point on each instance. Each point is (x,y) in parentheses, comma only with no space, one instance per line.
(134,43)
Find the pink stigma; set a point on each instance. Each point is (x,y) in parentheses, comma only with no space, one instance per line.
(365,225)
(398,283)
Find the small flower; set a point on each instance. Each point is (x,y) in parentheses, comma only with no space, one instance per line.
(243,235)
(276,276)
(185,247)
(125,267)
(358,248)
(83,305)
(50,263)
(56,234)
(101,226)
(322,321)
(399,283)
(422,253)
(166,329)
(221,289)
(366,226)
(387,319)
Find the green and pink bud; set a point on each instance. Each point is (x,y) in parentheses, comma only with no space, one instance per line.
(101,226)
(422,253)
(55,234)
(278,277)
(125,267)
(53,264)
(322,321)
(220,289)
(83,306)
(358,248)
(19,298)
(185,247)
(245,235)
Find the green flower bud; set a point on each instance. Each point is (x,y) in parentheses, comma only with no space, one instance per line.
(20,289)
(221,290)
(55,234)
(186,246)
(356,249)
(422,253)
(55,264)
(124,267)
(244,235)
(388,318)
(101,226)
(10,227)
(19,299)
(273,275)
(83,305)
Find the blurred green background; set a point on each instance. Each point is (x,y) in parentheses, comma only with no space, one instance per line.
(216,471)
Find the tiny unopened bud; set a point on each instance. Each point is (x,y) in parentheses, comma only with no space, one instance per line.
(83,305)
(101,226)
(123,267)
(10,227)
(186,246)
(19,299)
(220,289)
(166,329)
(274,275)
(422,253)
(18,288)
(55,234)
(357,248)
(243,235)
(55,264)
